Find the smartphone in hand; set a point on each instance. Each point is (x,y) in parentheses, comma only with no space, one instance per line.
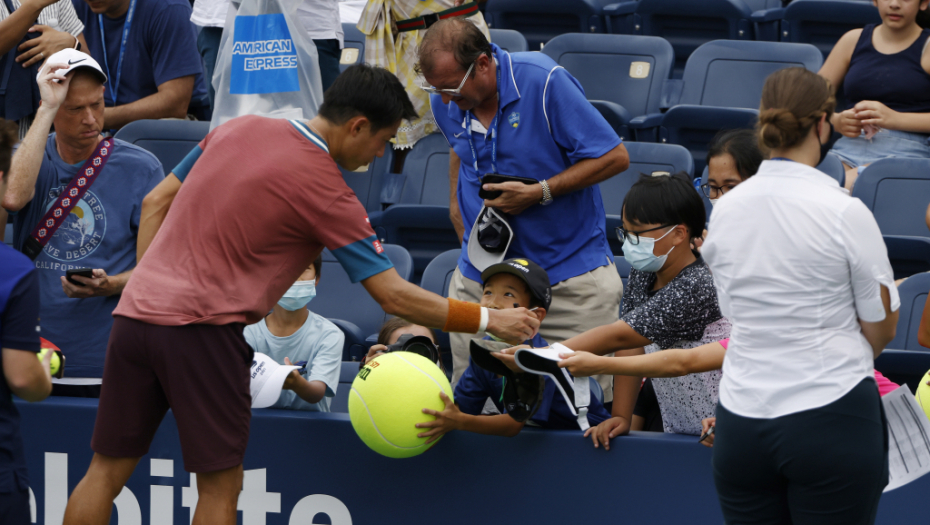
(83,272)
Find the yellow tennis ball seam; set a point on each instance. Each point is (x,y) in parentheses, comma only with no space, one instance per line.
(375,425)
(418,369)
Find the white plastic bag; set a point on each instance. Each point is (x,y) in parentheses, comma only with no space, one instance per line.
(267,64)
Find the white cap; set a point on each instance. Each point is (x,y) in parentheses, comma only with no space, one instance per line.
(267,379)
(477,255)
(74,59)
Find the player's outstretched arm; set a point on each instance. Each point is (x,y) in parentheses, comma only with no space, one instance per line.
(403,299)
(155,207)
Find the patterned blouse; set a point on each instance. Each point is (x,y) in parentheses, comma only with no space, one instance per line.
(682,314)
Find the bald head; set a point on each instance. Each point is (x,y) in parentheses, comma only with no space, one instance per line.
(457,36)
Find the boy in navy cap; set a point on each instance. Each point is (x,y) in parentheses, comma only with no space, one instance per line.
(513,283)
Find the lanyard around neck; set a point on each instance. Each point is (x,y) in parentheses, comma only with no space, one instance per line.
(114,81)
(492,129)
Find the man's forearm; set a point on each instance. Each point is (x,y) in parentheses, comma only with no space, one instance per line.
(455,214)
(118,282)
(24,168)
(155,207)
(589,172)
(15,26)
(168,102)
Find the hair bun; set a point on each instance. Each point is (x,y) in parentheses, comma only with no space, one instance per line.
(779,127)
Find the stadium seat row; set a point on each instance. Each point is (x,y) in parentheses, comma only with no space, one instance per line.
(686,24)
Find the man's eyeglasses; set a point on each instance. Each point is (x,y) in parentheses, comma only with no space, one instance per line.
(711,190)
(633,237)
(457,92)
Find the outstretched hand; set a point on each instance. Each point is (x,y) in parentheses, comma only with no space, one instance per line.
(445,421)
(513,324)
(581,364)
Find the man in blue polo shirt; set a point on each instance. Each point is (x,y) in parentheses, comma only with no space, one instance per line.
(541,128)
(148,49)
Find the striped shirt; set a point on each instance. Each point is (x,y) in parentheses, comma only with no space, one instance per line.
(60,16)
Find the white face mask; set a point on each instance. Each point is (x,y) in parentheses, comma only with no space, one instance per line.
(641,256)
(713,202)
(298,295)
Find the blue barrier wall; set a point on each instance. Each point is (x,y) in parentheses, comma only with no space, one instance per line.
(304,469)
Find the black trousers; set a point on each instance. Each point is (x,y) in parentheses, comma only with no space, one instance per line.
(822,466)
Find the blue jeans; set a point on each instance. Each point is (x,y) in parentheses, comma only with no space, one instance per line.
(887,143)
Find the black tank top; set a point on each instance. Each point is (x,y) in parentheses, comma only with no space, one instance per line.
(897,80)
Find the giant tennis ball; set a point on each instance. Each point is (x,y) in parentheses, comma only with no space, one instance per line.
(388,397)
(923,394)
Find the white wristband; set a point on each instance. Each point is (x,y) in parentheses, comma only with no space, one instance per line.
(483,325)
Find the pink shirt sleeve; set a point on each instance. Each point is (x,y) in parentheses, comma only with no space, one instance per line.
(885,385)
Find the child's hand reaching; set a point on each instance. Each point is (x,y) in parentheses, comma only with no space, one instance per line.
(581,364)
(446,421)
(506,356)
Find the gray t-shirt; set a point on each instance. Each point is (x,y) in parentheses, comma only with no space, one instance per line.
(318,341)
(682,314)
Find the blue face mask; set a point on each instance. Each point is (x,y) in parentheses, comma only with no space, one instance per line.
(640,255)
(298,295)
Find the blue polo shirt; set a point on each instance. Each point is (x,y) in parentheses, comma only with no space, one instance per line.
(477,385)
(19,331)
(161,46)
(545,125)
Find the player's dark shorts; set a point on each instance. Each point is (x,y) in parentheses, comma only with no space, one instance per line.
(199,371)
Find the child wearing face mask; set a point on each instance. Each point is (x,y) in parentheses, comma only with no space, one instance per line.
(669,302)
(293,335)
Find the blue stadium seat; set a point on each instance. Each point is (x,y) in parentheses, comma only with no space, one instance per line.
(541,20)
(817,22)
(721,89)
(169,140)
(833,167)
(913,294)
(346,376)
(353,51)
(897,191)
(367,183)
(417,213)
(646,158)
(348,304)
(509,40)
(436,279)
(905,360)
(629,71)
(686,24)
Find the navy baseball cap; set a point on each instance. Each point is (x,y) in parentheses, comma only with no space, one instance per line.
(536,279)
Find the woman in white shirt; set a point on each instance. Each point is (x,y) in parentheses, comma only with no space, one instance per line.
(802,273)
